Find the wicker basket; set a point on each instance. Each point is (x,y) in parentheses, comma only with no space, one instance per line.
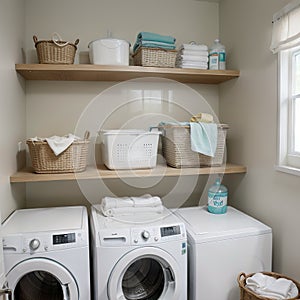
(55,52)
(73,159)
(155,57)
(246,294)
(176,147)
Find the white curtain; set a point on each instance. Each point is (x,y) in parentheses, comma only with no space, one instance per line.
(286,27)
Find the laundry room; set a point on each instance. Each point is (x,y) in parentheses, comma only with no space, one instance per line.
(84,100)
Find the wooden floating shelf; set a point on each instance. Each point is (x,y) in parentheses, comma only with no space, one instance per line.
(88,72)
(102,172)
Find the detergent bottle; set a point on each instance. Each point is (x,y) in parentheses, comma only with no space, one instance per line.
(217,198)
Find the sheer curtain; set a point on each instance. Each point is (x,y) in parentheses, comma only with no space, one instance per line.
(286,27)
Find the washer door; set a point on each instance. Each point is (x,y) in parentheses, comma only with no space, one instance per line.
(145,274)
(40,278)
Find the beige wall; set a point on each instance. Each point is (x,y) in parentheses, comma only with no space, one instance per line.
(249,105)
(12,102)
(55,107)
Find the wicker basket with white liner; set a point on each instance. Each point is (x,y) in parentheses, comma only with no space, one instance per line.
(55,51)
(129,148)
(176,147)
(155,57)
(248,294)
(71,160)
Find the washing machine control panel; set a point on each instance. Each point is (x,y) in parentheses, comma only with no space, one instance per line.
(156,234)
(44,242)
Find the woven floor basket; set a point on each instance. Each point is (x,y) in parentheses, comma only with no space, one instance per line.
(176,147)
(155,57)
(73,159)
(246,294)
(55,52)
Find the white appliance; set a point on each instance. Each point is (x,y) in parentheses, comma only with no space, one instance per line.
(220,247)
(46,253)
(142,256)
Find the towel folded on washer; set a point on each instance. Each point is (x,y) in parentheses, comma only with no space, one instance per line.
(272,288)
(113,206)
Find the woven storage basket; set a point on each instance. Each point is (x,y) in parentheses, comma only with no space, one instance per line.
(73,159)
(176,147)
(246,294)
(155,57)
(55,52)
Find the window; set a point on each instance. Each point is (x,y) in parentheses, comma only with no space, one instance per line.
(286,42)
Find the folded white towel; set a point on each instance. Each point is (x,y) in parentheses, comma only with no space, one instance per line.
(191,58)
(193,52)
(198,65)
(194,47)
(121,206)
(270,287)
(143,201)
(125,211)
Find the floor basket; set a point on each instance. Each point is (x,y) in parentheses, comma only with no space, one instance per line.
(246,294)
(73,159)
(155,57)
(176,147)
(55,52)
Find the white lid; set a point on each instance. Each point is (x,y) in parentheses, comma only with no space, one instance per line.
(203,226)
(44,219)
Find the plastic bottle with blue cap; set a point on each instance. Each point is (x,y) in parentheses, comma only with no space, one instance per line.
(217,198)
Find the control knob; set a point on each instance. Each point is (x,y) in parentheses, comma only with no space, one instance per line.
(34,244)
(145,235)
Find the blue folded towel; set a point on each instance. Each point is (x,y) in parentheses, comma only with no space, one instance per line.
(150,36)
(204,138)
(152,44)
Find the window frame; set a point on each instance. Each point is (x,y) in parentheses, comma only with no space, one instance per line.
(287,159)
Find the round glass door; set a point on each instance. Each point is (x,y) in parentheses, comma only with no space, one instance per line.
(143,280)
(145,273)
(39,278)
(38,285)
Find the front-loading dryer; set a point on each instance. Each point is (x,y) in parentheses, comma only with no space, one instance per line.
(46,253)
(141,256)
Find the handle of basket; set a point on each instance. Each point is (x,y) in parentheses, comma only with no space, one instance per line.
(159,129)
(35,39)
(86,135)
(56,38)
(239,279)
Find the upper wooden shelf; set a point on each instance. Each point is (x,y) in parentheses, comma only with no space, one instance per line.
(101,172)
(88,72)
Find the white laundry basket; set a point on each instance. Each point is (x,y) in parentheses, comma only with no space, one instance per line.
(129,149)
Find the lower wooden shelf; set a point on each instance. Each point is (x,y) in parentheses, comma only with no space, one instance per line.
(101,172)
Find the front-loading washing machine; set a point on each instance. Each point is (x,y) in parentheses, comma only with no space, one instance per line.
(46,253)
(220,247)
(141,256)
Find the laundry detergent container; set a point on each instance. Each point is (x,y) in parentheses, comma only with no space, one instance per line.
(109,51)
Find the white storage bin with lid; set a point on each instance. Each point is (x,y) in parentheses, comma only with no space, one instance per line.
(129,148)
(109,51)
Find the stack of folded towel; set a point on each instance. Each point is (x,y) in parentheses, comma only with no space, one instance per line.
(272,288)
(154,40)
(192,56)
(122,206)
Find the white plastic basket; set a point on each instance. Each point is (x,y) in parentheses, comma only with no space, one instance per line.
(129,149)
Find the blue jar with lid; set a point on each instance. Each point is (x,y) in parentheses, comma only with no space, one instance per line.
(217,198)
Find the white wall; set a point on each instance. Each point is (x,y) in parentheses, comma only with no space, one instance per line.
(249,105)
(55,107)
(12,102)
